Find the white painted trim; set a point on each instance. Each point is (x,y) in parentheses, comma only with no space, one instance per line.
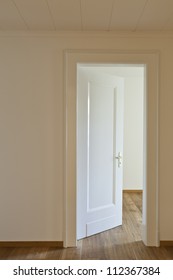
(81,34)
(150,234)
(88,143)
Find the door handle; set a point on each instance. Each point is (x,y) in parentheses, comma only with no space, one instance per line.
(119,157)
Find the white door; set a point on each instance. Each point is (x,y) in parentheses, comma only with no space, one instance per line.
(99,154)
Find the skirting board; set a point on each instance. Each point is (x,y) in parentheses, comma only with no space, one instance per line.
(58,244)
(132,191)
(164,243)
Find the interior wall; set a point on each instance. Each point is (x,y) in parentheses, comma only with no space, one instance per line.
(32,128)
(82,115)
(133,133)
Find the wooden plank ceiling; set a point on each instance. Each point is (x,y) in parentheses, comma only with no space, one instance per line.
(87,15)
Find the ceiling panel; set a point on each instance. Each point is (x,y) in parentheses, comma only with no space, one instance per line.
(96,14)
(121,71)
(10,18)
(156,14)
(121,15)
(126,14)
(36,14)
(66,14)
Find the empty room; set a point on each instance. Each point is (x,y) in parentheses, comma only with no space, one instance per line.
(56,158)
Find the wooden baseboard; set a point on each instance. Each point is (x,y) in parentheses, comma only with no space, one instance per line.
(58,244)
(132,191)
(166,243)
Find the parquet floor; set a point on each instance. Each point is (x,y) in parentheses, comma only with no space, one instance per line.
(120,243)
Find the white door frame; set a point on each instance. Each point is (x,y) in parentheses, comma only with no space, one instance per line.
(150,229)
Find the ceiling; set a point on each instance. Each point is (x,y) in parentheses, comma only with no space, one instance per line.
(86,15)
(121,70)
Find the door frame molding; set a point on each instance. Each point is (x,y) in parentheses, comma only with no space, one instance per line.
(150,226)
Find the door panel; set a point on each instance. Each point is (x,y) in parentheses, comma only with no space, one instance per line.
(100,145)
(100,197)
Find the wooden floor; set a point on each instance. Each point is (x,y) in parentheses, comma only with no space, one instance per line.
(120,243)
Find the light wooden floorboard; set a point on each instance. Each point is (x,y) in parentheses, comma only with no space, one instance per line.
(120,243)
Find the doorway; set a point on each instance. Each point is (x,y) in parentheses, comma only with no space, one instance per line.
(109,105)
(150,227)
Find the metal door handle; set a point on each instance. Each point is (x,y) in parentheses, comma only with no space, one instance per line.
(119,157)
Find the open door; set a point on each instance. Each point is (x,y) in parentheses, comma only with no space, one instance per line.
(99,152)
(75,178)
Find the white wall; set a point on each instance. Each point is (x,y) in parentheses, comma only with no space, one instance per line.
(32,125)
(82,134)
(133,133)
(31,141)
